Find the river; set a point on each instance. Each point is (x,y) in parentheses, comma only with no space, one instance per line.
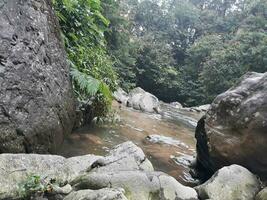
(167,139)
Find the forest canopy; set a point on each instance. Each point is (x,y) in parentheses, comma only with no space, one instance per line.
(179,50)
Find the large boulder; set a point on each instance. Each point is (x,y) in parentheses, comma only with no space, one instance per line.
(36,99)
(231,183)
(235,127)
(142,100)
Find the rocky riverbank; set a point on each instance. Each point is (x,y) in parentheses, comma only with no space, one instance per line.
(125,173)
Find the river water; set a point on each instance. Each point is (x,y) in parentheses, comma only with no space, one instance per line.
(167,139)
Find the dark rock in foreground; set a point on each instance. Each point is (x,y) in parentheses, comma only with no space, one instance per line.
(36,99)
(234,130)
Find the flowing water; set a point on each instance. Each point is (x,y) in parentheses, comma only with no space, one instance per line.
(166,139)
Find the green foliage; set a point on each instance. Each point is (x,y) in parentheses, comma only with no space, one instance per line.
(120,46)
(180,50)
(245,52)
(83,27)
(32,186)
(190,50)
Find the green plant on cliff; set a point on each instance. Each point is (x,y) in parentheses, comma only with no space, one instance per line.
(83,27)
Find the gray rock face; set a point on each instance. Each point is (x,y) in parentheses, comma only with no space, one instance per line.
(137,185)
(16,167)
(142,100)
(105,194)
(234,131)
(36,98)
(126,156)
(231,183)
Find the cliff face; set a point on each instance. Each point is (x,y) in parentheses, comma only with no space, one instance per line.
(36,98)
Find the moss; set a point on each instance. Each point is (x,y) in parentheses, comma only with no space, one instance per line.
(154,195)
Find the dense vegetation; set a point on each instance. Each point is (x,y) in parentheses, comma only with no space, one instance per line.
(180,50)
(83,27)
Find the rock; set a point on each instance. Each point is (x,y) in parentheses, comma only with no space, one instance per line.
(234,129)
(231,183)
(160,139)
(185,160)
(202,108)
(105,194)
(176,105)
(15,168)
(142,100)
(262,195)
(138,185)
(121,96)
(62,190)
(36,99)
(126,156)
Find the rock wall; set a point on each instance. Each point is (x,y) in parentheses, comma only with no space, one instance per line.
(36,99)
(234,130)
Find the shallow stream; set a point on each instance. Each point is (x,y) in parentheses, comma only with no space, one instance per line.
(167,139)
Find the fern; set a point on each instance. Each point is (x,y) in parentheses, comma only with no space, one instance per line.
(83,27)
(89,85)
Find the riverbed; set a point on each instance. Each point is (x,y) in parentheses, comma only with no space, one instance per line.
(167,139)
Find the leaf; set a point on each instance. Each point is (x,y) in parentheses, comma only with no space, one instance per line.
(86,83)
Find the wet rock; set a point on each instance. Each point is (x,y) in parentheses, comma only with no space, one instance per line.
(138,185)
(121,96)
(185,160)
(262,195)
(234,131)
(231,183)
(36,99)
(160,139)
(105,194)
(142,100)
